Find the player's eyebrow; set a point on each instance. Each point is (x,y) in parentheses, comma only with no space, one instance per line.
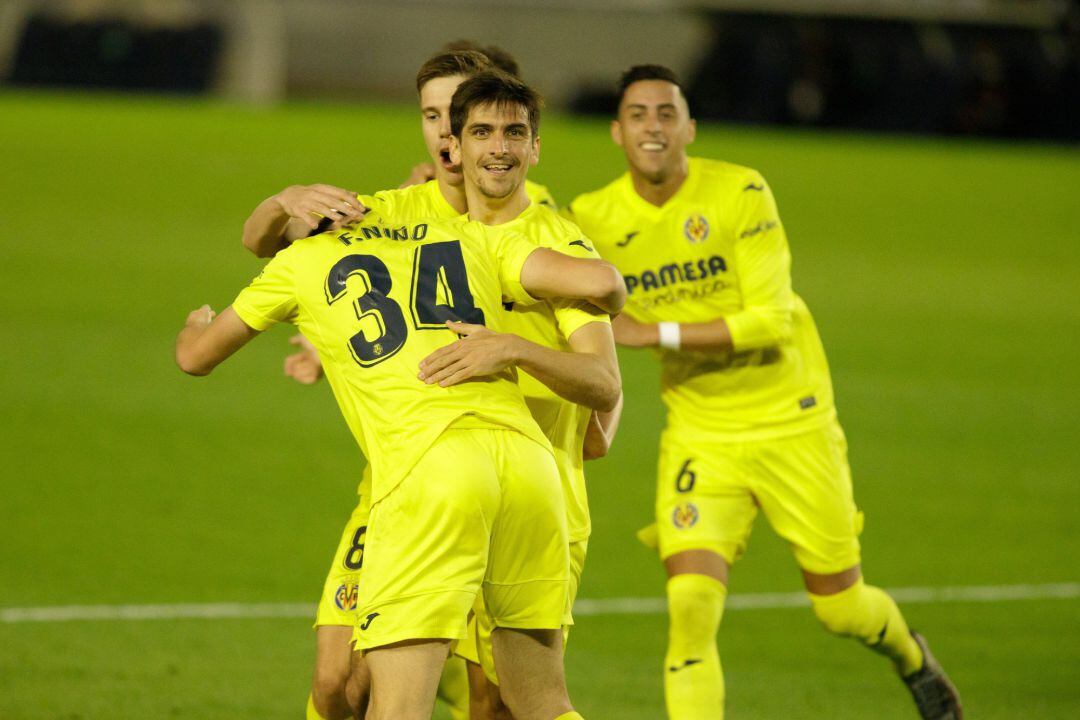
(642,106)
(429,108)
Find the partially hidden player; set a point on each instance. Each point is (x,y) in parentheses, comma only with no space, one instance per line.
(751,422)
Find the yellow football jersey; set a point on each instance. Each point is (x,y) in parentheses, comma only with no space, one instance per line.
(550,324)
(373,299)
(717,249)
(426,201)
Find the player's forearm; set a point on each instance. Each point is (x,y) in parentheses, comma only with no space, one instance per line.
(709,337)
(601,431)
(188,355)
(269,229)
(581,378)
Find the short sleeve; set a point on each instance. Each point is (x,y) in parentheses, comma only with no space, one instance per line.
(511,250)
(271,297)
(572,315)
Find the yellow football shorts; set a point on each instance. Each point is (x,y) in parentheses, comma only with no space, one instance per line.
(476,647)
(337,606)
(708,494)
(482,511)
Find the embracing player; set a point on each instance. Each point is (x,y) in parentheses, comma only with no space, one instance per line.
(751,421)
(566,349)
(466,495)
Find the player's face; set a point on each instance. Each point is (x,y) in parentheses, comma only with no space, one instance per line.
(496,149)
(435,99)
(653,128)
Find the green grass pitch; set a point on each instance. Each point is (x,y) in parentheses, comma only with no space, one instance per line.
(943,276)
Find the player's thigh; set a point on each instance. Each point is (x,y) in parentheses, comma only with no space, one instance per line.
(427,544)
(528,573)
(337,606)
(803,484)
(703,500)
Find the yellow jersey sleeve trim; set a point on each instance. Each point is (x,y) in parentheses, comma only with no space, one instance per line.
(514,250)
(571,316)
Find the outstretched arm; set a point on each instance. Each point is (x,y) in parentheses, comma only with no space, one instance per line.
(550,274)
(205,341)
(294,213)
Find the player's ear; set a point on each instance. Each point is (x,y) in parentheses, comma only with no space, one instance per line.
(455,150)
(616,132)
(692,133)
(535,159)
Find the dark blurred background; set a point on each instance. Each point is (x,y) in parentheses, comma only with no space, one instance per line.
(1003,68)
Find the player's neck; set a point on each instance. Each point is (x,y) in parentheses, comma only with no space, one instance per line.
(496,211)
(657,191)
(454,195)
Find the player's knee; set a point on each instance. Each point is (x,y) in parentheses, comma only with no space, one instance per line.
(695,606)
(848,613)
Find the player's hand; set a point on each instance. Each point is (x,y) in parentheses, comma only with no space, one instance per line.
(631,333)
(478,353)
(420,174)
(304,367)
(201,318)
(310,202)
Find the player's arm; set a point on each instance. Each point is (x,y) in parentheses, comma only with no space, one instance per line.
(206,341)
(550,274)
(419,175)
(763,262)
(587,375)
(601,431)
(296,212)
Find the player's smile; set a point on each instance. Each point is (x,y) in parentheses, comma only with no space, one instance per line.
(498,143)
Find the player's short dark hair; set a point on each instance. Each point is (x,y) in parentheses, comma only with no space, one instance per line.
(451,63)
(499,57)
(648,72)
(494,87)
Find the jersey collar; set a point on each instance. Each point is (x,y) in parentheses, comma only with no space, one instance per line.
(651,211)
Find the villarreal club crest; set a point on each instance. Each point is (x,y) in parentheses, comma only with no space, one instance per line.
(346,595)
(685,516)
(696,229)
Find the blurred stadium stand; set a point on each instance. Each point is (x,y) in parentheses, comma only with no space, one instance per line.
(1007,68)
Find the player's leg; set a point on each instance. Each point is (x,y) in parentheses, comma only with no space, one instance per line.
(805,490)
(704,515)
(526,585)
(330,694)
(453,688)
(333,653)
(427,550)
(483,680)
(530,665)
(404,679)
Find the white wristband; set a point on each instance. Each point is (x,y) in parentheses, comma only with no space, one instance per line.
(670,335)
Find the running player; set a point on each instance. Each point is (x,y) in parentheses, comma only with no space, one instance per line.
(751,421)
